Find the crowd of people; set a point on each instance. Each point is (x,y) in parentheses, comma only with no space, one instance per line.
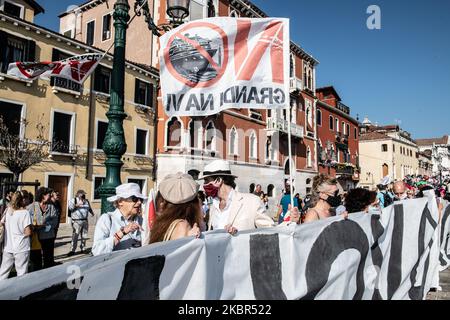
(183,210)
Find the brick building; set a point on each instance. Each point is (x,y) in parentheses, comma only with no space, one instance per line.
(338,138)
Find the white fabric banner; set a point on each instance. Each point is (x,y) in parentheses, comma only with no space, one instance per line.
(444,237)
(76,68)
(387,256)
(213,64)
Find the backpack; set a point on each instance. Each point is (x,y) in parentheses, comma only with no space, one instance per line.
(387,199)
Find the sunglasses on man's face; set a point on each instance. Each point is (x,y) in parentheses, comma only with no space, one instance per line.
(135,199)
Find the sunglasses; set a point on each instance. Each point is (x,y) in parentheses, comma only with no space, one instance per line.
(135,199)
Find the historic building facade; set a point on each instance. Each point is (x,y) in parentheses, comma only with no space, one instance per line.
(386,151)
(338,139)
(439,149)
(73,115)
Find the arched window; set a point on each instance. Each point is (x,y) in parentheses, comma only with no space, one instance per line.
(344,128)
(348,129)
(309,157)
(270,188)
(211,137)
(251,189)
(253,144)
(337,125)
(319,117)
(174,133)
(195,134)
(385,169)
(233,145)
(331,123)
(287,168)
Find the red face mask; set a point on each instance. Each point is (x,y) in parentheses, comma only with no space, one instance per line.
(211,190)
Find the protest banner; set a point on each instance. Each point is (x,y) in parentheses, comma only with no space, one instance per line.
(76,68)
(385,256)
(214,64)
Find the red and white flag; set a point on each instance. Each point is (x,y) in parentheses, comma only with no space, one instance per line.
(76,68)
(149,216)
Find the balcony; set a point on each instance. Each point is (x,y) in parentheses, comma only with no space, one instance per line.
(342,107)
(62,149)
(342,169)
(65,85)
(295,84)
(281,125)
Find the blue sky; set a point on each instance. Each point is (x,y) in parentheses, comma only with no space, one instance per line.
(400,72)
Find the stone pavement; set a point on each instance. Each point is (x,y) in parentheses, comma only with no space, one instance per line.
(64,240)
(444,282)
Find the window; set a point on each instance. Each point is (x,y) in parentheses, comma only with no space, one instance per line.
(319,117)
(331,123)
(253,146)
(141,141)
(196,134)
(11,114)
(13,10)
(68,34)
(211,137)
(270,151)
(384,148)
(15,49)
(106,30)
(337,125)
(61,135)
(90,29)
(347,131)
(101,133)
(98,181)
(356,133)
(393,148)
(233,147)
(197,10)
(102,80)
(270,188)
(292,66)
(143,93)
(173,138)
(344,128)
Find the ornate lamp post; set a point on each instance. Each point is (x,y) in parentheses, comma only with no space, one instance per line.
(114,144)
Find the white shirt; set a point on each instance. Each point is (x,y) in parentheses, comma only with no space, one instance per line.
(221,220)
(15,224)
(107,225)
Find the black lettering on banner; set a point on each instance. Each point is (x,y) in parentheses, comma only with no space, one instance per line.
(335,239)
(377,255)
(417,293)
(137,287)
(444,237)
(56,292)
(394,277)
(265,267)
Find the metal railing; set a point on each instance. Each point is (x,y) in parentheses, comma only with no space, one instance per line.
(343,107)
(279,124)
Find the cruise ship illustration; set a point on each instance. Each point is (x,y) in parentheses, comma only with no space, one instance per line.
(188,61)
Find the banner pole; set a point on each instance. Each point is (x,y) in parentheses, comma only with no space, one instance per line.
(290,155)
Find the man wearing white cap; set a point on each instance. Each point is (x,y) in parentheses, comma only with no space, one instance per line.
(231,210)
(120,229)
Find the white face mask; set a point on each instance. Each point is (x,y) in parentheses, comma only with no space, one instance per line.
(374,210)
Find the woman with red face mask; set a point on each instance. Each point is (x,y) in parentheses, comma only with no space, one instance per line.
(231,210)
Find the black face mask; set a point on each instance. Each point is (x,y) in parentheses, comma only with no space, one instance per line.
(334,201)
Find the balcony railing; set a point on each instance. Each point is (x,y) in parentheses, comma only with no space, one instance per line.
(343,107)
(342,138)
(60,148)
(295,84)
(348,171)
(278,124)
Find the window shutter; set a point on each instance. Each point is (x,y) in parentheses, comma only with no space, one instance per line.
(150,95)
(136,91)
(3,39)
(31,51)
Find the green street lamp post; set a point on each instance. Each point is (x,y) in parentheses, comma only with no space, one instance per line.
(115,144)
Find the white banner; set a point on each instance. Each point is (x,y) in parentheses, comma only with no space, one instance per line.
(76,68)
(210,65)
(386,256)
(444,237)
